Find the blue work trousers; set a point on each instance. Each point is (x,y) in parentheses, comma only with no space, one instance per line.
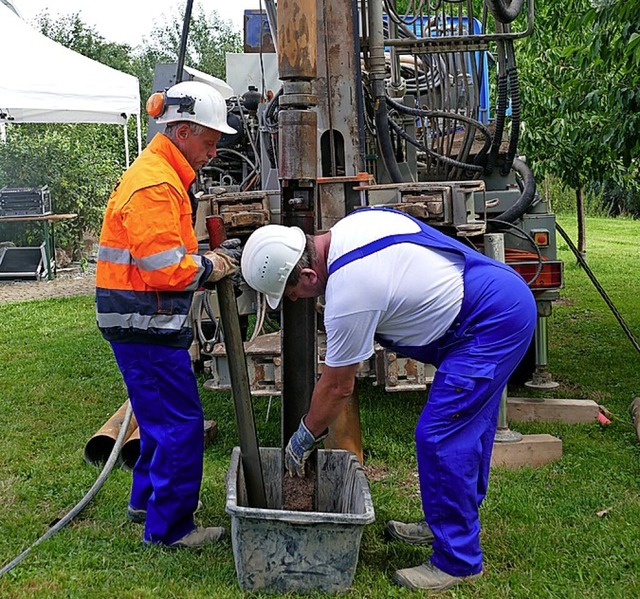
(167,476)
(456,430)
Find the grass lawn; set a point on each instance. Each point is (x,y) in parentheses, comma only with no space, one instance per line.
(544,530)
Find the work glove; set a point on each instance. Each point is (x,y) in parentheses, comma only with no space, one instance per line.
(233,248)
(301,445)
(225,260)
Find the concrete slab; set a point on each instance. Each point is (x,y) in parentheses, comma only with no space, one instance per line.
(532,450)
(569,411)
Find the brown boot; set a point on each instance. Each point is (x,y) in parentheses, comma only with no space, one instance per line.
(140,516)
(199,537)
(429,578)
(415,533)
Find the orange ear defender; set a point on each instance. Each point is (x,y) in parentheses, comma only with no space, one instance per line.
(158,102)
(155,104)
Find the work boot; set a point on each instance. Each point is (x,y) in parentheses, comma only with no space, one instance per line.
(415,533)
(199,537)
(428,577)
(140,516)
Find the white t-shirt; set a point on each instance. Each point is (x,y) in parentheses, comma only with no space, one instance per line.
(408,294)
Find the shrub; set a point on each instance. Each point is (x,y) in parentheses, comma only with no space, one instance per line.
(79,163)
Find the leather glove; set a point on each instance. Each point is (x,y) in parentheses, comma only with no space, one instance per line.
(301,445)
(233,248)
(225,259)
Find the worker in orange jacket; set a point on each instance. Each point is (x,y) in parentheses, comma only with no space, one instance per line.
(148,270)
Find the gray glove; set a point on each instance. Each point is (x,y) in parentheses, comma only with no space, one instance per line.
(301,445)
(232,248)
(226,261)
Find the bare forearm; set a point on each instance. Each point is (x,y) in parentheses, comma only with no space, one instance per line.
(330,395)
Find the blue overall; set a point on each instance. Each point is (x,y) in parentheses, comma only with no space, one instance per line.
(167,476)
(474,360)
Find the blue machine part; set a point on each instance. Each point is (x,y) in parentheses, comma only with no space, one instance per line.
(257,34)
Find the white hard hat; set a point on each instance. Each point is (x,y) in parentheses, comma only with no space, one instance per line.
(195,102)
(269,256)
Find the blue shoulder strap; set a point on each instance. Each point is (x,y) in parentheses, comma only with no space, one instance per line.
(426,237)
(373,247)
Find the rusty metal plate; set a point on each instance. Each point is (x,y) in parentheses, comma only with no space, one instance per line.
(264,366)
(242,212)
(398,373)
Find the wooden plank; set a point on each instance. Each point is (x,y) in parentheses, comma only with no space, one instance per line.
(532,450)
(568,411)
(37,217)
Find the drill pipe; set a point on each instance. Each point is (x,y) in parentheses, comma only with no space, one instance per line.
(240,386)
(98,448)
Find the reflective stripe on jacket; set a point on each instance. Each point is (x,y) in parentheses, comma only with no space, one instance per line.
(148,265)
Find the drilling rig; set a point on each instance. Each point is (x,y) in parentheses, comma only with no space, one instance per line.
(340,104)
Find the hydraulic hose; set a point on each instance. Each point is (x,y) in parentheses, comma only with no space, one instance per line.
(514,89)
(384,141)
(403,108)
(270,112)
(444,159)
(527,195)
(108,467)
(501,108)
(519,232)
(377,74)
(504,11)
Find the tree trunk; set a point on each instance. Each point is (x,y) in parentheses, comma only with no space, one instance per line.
(582,239)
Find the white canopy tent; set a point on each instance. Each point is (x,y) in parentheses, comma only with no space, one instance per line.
(42,81)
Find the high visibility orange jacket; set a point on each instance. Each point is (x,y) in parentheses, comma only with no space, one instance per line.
(148,266)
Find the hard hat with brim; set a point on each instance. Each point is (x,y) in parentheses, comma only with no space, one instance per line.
(195,102)
(269,256)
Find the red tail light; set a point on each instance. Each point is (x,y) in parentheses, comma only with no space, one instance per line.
(549,277)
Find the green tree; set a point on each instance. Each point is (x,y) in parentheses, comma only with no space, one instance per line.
(579,103)
(612,48)
(73,33)
(209,39)
(558,137)
(79,167)
(80,163)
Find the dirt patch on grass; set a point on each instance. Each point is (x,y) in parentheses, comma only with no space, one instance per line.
(375,472)
(68,282)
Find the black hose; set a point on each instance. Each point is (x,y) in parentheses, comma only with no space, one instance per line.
(108,467)
(270,111)
(526,197)
(501,109)
(599,287)
(504,11)
(403,108)
(441,114)
(439,157)
(384,141)
(514,91)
